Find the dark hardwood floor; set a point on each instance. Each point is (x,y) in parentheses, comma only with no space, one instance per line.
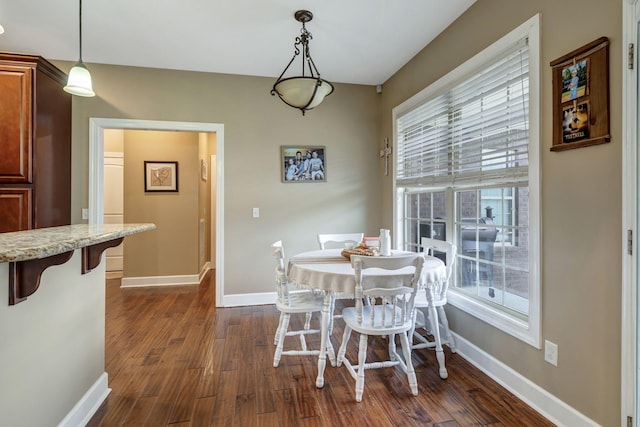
(174,359)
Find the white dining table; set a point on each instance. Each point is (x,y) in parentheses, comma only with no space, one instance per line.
(329,272)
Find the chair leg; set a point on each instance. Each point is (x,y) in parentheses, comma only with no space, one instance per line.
(362,358)
(420,340)
(433,319)
(445,326)
(411,373)
(413,326)
(331,352)
(332,310)
(392,346)
(307,326)
(277,335)
(343,346)
(283,331)
(307,320)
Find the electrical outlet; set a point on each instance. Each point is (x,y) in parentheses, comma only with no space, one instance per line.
(85,213)
(551,352)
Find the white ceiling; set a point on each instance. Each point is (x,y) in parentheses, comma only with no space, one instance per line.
(354,41)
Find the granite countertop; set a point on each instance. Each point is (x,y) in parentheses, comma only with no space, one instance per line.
(45,242)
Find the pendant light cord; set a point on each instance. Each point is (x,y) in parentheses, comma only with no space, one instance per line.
(80,32)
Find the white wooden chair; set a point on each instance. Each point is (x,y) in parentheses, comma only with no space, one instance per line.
(425,315)
(289,303)
(391,294)
(354,238)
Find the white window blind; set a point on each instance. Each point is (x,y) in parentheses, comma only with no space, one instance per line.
(474,132)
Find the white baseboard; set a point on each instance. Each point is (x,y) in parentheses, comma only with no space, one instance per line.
(532,394)
(86,407)
(133,282)
(205,269)
(240,300)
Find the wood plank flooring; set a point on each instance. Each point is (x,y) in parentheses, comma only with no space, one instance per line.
(173,359)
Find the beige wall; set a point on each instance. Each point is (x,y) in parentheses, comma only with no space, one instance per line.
(52,345)
(256,124)
(581,205)
(171,249)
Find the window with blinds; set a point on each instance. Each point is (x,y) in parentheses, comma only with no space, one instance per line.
(476,131)
(467,171)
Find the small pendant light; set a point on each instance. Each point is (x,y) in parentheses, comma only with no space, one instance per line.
(79,82)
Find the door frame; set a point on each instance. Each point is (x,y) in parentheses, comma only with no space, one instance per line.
(629,304)
(115,159)
(96,174)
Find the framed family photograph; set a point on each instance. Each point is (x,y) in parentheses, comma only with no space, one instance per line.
(303,163)
(581,97)
(160,176)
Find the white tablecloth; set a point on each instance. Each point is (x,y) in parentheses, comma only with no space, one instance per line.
(328,270)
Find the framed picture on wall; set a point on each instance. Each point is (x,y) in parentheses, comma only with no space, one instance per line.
(160,176)
(303,163)
(580,82)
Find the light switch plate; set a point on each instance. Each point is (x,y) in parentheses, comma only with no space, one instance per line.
(256,212)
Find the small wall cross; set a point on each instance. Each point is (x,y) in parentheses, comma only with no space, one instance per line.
(386,153)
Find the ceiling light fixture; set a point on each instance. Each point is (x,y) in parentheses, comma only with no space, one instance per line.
(79,82)
(302,92)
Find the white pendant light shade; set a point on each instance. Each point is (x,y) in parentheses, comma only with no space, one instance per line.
(79,82)
(303,92)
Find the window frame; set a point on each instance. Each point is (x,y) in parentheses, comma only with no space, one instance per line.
(527,330)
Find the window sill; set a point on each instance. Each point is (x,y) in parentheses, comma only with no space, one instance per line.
(527,331)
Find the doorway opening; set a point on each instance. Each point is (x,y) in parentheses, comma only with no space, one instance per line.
(97,127)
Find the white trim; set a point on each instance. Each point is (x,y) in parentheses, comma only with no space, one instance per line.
(629,304)
(241,300)
(205,269)
(88,405)
(213,209)
(96,173)
(220,217)
(179,280)
(529,392)
(497,318)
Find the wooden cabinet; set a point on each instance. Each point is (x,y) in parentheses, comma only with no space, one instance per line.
(35,144)
(15,205)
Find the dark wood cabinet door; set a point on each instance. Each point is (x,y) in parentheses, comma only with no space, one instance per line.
(15,209)
(16,82)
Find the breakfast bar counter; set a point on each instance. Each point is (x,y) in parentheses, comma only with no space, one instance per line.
(30,252)
(52,325)
(44,242)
